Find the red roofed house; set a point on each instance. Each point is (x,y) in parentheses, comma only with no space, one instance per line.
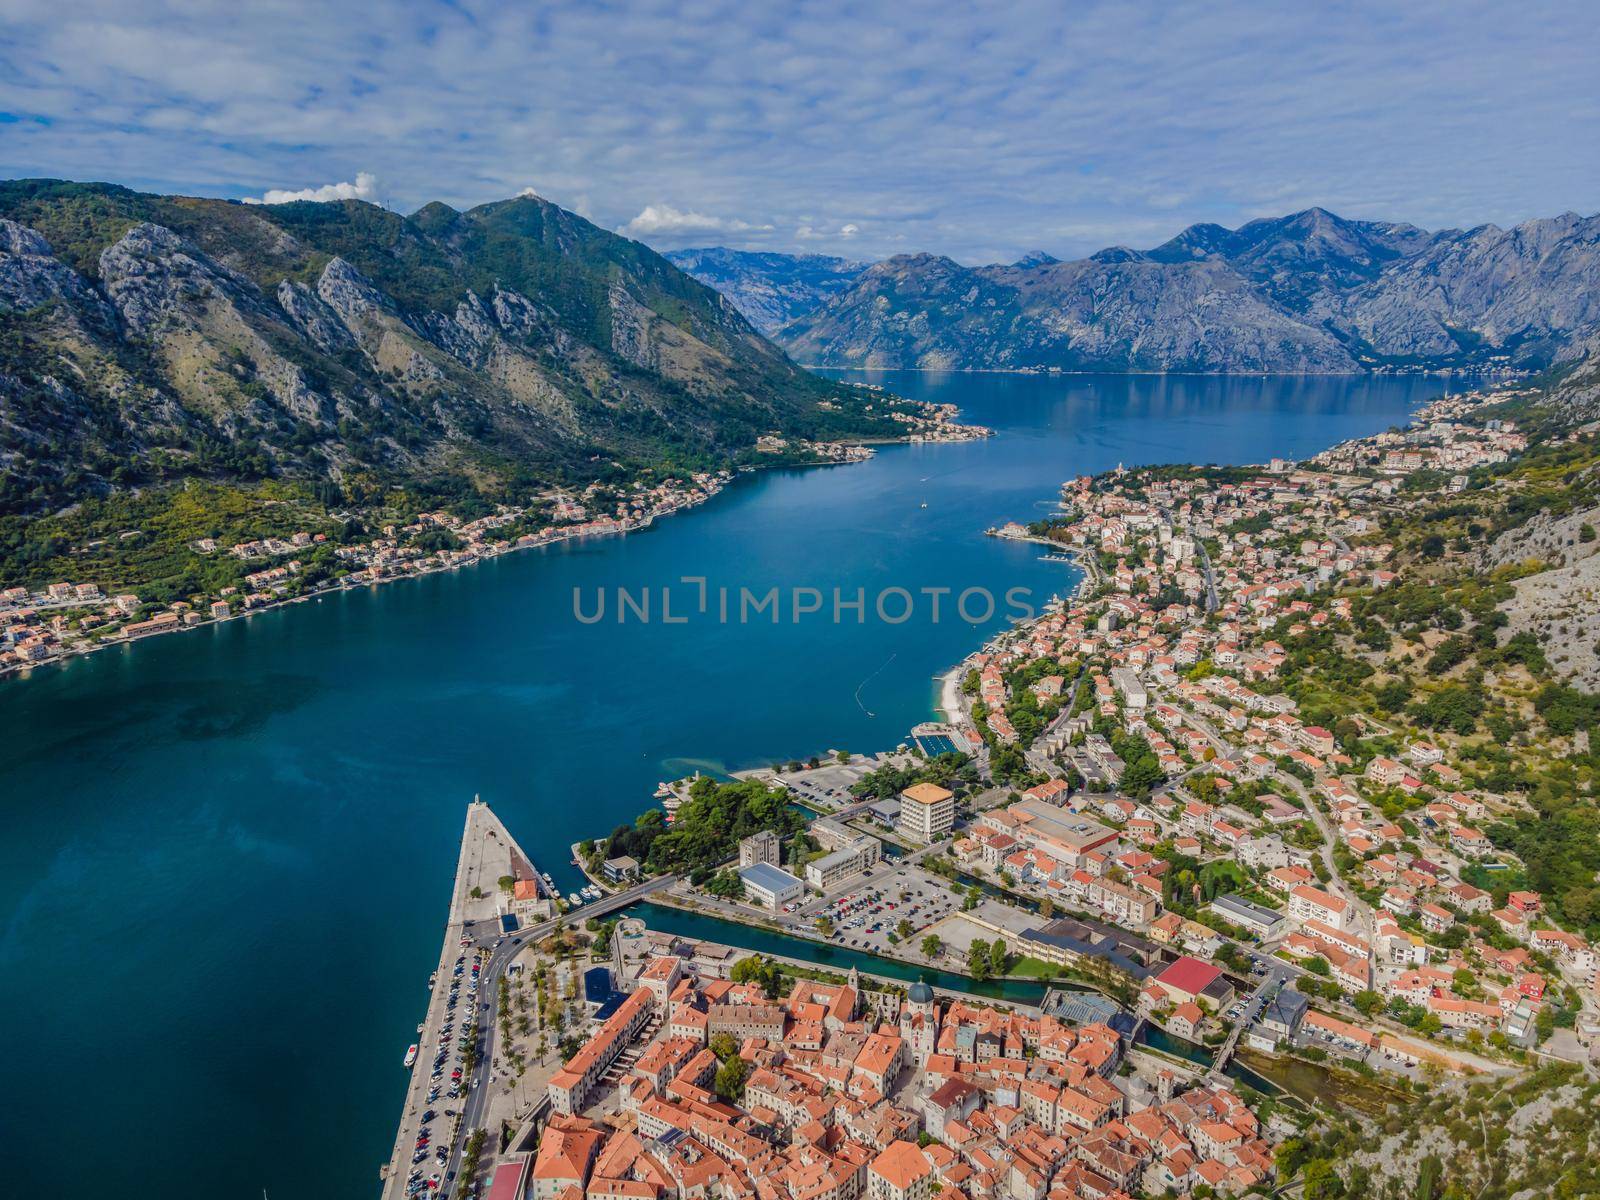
(901,1172)
(1188,980)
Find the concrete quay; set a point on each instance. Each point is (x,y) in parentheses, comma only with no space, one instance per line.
(488,853)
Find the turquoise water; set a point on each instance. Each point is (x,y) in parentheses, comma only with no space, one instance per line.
(227,853)
(704,928)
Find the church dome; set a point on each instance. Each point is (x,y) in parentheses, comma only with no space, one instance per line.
(920,993)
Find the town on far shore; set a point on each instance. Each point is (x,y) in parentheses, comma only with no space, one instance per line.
(1225,843)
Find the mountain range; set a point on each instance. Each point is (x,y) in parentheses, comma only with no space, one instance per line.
(1310,292)
(146,339)
(771,290)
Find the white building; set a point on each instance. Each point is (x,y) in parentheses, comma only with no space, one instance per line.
(927,812)
(770,886)
(759,848)
(1128,683)
(851,859)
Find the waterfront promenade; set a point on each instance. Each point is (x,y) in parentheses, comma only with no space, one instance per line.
(488,853)
(478,946)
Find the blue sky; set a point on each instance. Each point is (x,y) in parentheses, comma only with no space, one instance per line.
(980,131)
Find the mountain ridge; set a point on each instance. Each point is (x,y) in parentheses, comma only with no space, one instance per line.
(1306,292)
(145,339)
(771,289)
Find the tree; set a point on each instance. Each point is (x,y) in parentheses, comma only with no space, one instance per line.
(932,947)
(757,969)
(730,1080)
(824,926)
(1427,1178)
(978,959)
(1321,1181)
(997,956)
(904,929)
(724,1046)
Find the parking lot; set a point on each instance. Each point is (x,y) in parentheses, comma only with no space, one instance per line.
(444,1058)
(828,786)
(867,913)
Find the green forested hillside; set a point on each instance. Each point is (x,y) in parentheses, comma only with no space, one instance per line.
(456,357)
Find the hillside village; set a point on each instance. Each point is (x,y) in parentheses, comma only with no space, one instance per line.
(1254,802)
(72,618)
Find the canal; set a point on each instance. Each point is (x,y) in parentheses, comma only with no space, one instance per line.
(702,927)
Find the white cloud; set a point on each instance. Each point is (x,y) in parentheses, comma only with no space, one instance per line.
(665,220)
(810,233)
(364,188)
(528,193)
(974,130)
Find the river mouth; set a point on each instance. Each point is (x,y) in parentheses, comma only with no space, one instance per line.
(234,846)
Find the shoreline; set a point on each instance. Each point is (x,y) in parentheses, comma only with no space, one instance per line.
(343,585)
(527,542)
(340,586)
(950,694)
(1045,373)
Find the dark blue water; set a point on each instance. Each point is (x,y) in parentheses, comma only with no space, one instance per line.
(227,853)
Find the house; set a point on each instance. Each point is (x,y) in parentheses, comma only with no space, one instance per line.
(1307,903)
(953,1100)
(1264,923)
(1436,919)
(1385,772)
(770,886)
(1340,1034)
(1280,1020)
(900,1172)
(1186,1020)
(566,1154)
(1189,980)
(623,869)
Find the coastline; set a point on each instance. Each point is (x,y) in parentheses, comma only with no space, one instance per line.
(949,432)
(950,707)
(950,693)
(336,587)
(344,584)
(1045,373)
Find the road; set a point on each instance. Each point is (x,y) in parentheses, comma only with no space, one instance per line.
(503,949)
(1043,762)
(1274,979)
(1325,828)
(1211,577)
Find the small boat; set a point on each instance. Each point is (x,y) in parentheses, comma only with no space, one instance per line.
(574,899)
(433,979)
(411,1056)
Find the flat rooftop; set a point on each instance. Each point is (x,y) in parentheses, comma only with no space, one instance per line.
(769,877)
